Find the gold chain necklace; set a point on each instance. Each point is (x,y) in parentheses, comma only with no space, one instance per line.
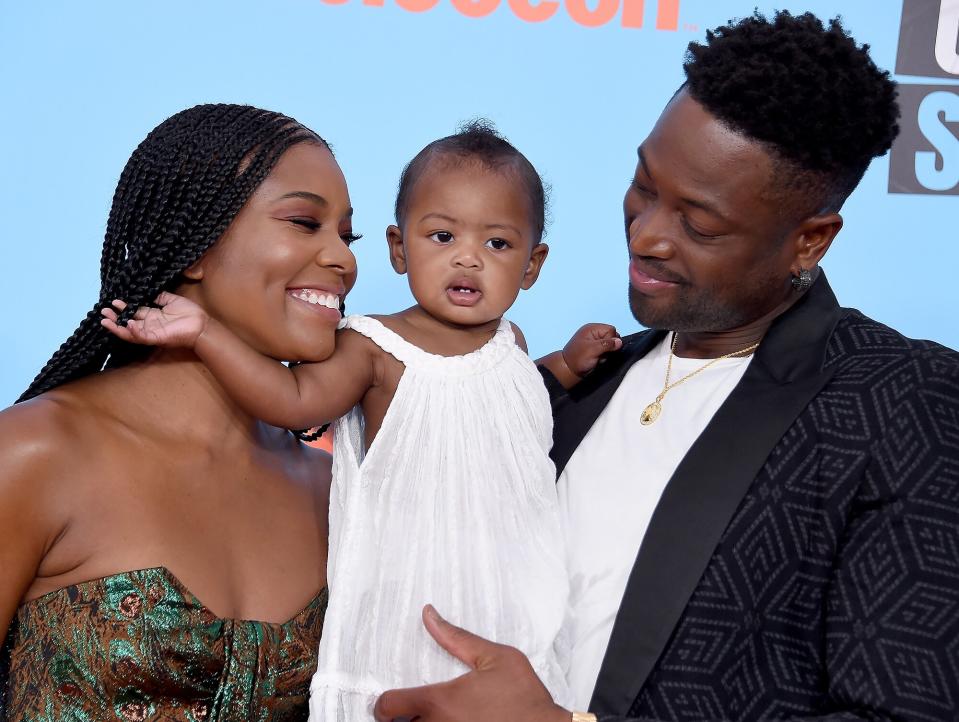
(653,410)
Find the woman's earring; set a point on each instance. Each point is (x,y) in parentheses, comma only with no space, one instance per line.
(803,280)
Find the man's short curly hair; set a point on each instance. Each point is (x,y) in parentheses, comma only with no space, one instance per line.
(804,89)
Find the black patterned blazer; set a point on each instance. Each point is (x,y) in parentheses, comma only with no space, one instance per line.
(803,561)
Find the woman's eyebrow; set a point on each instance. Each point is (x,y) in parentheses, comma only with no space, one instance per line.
(305,195)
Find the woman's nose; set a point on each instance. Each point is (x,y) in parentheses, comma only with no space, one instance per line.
(337,256)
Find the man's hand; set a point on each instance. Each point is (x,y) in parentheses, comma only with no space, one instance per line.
(500,686)
(178,322)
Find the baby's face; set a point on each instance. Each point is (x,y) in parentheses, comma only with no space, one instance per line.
(467,245)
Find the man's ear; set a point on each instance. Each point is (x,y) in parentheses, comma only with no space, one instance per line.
(537,258)
(394,239)
(813,238)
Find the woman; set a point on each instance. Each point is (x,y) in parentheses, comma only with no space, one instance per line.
(143,517)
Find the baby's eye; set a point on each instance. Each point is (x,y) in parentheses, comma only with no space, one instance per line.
(497,244)
(442,236)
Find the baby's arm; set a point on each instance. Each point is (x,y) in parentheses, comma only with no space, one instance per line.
(302,397)
(582,353)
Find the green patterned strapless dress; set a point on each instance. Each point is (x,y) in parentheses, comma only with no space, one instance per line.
(139,646)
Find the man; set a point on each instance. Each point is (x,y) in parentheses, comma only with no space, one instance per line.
(762,492)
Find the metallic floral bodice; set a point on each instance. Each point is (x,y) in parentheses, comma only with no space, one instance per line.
(139,646)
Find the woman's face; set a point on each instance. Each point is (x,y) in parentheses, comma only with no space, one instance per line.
(278,274)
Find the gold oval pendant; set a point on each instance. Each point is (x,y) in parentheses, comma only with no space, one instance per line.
(650,413)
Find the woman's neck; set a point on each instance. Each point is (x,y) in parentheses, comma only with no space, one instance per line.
(172,390)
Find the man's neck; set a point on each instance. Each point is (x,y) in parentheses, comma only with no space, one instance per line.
(713,344)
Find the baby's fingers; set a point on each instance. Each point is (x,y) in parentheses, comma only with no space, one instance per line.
(604,330)
(109,312)
(110,324)
(611,344)
(164,298)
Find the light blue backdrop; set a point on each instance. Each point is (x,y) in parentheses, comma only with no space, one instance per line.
(83,83)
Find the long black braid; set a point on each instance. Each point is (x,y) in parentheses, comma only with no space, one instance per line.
(181,188)
(179,191)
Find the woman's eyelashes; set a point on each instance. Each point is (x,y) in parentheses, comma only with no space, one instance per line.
(307,223)
(310,224)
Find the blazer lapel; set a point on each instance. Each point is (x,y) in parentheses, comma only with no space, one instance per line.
(706,490)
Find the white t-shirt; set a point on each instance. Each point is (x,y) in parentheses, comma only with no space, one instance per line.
(612,484)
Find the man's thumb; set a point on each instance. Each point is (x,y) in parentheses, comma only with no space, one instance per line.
(465,646)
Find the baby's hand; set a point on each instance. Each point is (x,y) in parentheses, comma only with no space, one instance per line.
(588,344)
(177,323)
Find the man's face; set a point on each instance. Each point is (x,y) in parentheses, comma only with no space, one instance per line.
(707,252)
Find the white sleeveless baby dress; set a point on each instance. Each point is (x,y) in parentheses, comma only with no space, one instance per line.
(454,505)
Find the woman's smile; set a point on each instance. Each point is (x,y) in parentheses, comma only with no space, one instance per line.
(317,300)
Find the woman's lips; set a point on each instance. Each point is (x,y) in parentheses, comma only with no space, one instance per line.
(317,302)
(642,281)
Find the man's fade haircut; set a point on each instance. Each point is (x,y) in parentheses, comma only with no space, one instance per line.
(477,141)
(807,92)
(180,189)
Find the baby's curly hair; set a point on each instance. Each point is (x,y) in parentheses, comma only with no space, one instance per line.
(478,140)
(804,89)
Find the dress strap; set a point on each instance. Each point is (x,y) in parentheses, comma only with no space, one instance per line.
(411,355)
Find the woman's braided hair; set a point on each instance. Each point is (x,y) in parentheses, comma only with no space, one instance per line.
(181,188)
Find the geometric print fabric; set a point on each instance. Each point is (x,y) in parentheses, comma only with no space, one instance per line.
(834,591)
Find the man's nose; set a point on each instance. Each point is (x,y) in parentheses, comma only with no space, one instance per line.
(649,234)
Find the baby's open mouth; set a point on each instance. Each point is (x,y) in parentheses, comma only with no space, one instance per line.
(463,293)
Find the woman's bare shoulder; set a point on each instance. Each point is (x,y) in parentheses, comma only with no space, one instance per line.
(52,436)
(36,436)
(41,451)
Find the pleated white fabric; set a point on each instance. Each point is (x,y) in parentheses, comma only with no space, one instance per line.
(454,505)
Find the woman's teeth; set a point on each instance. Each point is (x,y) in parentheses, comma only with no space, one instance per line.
(317,298)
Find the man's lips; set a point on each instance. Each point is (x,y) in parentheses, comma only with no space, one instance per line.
(643,278)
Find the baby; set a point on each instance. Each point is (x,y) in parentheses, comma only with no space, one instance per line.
(443,489)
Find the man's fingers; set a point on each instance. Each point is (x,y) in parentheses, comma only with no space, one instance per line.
(401,704)
(467,647)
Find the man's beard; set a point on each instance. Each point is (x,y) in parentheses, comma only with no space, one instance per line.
(699,310)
